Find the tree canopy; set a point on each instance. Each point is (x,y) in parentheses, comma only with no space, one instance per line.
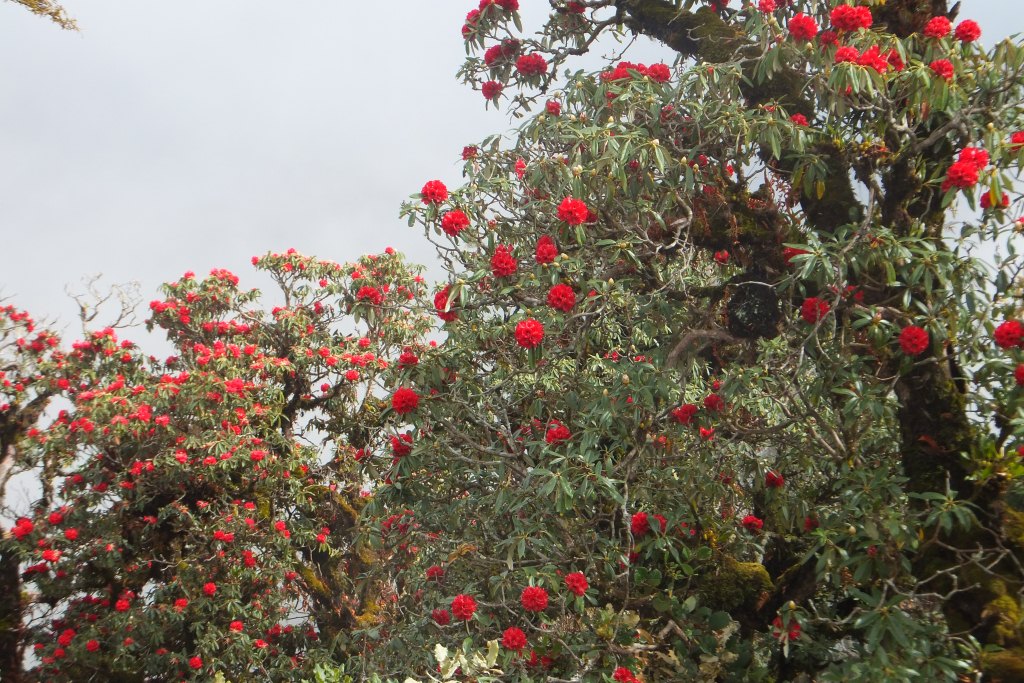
(730,388)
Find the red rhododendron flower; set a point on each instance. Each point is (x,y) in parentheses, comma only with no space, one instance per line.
(798,119)
(469,152)
(401,445)
(639,524)
(814,309)
(529,333)
(435,573)
(434,192)
(766,6)
(562,297)
(92,646)
(454,222)
(443,306)
(513,639)
(442,617)
(684,413)
(463,606)
(1008,334)
(937,27)
(534,599)
(553,107)
(572,211)
(22,528)
(961,174)
(967,31)
(721,257)
(196,663)
(847,54)
(850,18)
(576,582)
(491,90)
(405,400)
(975,156)
(789,252)
(546,250)
(752,523)
(986,200)
(714,402)
(624,675)
(210,588)
(503,264)
(774,480)
(557,433)
(802,27)
(407,358)
(371,294)
(913,340)
(236,626)
(1018,374)
(942,68)
(873,58)
(792,633)
(531,64)
(659,73)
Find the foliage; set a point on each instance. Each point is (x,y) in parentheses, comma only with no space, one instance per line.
(730,389)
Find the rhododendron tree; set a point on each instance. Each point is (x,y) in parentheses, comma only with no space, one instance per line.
(199,513)
(762,315)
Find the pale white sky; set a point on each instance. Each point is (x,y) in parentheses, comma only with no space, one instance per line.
(189,134)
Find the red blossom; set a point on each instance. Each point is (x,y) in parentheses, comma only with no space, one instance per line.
(546,251)
(802,27)
(405,400)
(937,27)
(967,31)
(572,211)
(434,192)
(529,333)
(463,606)
(562,297)
(513,639)
(1008,334)
(576,582)
(534,599)
(814,309)
(913,340)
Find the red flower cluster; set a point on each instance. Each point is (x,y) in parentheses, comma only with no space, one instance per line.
(503,264)
(1018,374)
(435,573)
(562,297)
(640,523)
(405,400)
(967,31)
(966,170)
(1008,334)
(659,73)
(546,250)
(442,617)
(714,402)
(913,340)
(798,119)
(774,480)
(534,599)
(491,90)
(766,6)
(684,414)
(371,294)
(752,523)
(531,65)
(814,309)
(553,107)
(624,675)
(529,333)
(513,639)
(441,303)
(789,252)
(943,68)
(792,633)
(576,582)
(22,528)
(503,50)
(573,211)
(850,18)
(937,27)
(986,200)
(803,27)
(454,222)
(557,433)
(463,606)
(507,5)
(434,192)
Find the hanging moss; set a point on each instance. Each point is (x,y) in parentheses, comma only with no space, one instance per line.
(735,585)
(1003,667)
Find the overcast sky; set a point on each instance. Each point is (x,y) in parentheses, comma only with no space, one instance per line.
(179,135)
